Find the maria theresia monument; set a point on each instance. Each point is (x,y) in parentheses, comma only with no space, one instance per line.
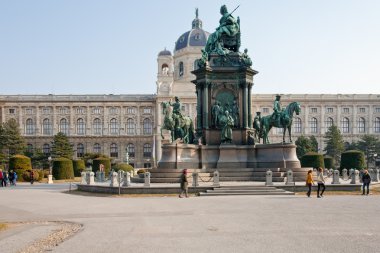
(226,137)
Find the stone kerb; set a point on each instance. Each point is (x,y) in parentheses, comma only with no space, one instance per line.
(335,177)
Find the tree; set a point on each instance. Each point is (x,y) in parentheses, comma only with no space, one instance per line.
(370,145)
(39,159)
(61,147)
(306,145)
(334,143)
(11,140)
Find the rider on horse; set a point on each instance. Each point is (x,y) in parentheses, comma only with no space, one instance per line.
(276,116)
(177,115)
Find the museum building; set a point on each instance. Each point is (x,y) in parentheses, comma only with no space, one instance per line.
(117,124)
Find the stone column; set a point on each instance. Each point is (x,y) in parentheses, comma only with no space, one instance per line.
(335,177)
(199,111)
(216,179)
(268,179)
(205,106)
(250,106)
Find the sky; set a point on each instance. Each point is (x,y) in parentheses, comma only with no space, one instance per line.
(111,47)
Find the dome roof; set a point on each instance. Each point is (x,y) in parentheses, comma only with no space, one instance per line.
(195,37)
(164,53)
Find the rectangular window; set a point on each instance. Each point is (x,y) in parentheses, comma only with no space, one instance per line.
(329,110)
(377,109)
(113,110)
(29,111)
(313,110)
(265,110)
(12,111)
(46,110)
(80,110)
(131,110)
(147,110)
(346,110)
(96,110)
(147,165)
(362,110)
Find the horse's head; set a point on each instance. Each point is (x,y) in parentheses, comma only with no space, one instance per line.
(165,107)
(298,108)
(293,107)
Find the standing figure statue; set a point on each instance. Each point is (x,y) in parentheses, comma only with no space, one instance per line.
(235,113)
(256,126)
(246,59)
(277,110)
(229,26)
(215,110)
(227,128)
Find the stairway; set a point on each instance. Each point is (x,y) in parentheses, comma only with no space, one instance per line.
(245,190)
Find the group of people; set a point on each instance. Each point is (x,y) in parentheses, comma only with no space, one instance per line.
(8,178)
(366,179)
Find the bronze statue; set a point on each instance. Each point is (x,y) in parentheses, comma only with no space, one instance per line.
(227,128)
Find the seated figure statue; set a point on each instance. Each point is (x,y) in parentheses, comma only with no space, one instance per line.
(226,38)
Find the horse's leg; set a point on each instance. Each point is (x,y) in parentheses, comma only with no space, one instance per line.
(283,135)
(290,133)
(162,136)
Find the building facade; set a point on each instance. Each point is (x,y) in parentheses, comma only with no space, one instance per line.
(117,124)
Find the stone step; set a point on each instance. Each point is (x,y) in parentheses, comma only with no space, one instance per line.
(248,188)
(252,178)
(242,191)
(206,194)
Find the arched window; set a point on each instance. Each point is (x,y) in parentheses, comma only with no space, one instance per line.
(180,69)
(131,150)
(130,126)
(29,127)
(97,125)
(64,126)
(147,126)
(46,127)
(46,149)
(313,125)
(113,150)
(113,126)
(377,125)
(165,69)
(80,150)
(345,125)
(297,125)
(329,123)
(29,148)
(361,125)
(97,149)
(147,151)
(80,127)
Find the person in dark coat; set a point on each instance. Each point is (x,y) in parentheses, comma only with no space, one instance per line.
(11,177)
(31,177)
(184,184)
(366,178)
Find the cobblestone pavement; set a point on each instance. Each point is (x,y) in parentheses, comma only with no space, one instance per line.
(213,224)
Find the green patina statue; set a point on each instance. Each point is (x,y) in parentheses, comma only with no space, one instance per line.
(226,37)
(281,118)
(179,126)
(228,123)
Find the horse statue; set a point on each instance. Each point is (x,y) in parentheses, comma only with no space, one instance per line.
(185,128)
(285,122)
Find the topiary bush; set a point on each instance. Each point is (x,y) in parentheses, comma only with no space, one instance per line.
(63,168)
(101,160)
(78,166)
(329,162)
(352,159)
(26,175)
(312,159)
(20,162)
(123,166)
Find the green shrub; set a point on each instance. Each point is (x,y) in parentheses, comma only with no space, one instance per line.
(123,166)
(313,160)
(141,171)
(26,175)
(63,168)
(101,160)
(78,166)
(352,159)
(20,173)
(41,174)
(329,162)
(20,162)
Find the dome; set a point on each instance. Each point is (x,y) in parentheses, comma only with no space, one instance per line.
(164,53)
(196,37)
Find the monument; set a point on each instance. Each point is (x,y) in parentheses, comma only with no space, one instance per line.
(226,136)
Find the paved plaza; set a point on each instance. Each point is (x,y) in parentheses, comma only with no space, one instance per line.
(347,223)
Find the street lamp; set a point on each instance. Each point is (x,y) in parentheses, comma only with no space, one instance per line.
(50,177)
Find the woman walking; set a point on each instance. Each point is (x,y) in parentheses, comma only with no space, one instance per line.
(321,183)
(366,178)
(309,181)
(184,184)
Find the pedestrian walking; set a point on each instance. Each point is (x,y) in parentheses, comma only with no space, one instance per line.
(184,184)
(321,183)
(309,182)
(366,178)
(10,177)
(14,178)
(1,177)
(31,177)
(5,178)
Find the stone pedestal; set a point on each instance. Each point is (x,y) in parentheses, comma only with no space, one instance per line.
(268,178)
(216,179)
(91,180)
(276,156)
(114,181)
(50,179)
(127,179)
(335,177)
(228,157)
(83,178)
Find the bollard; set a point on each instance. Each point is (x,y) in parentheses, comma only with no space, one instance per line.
(331,172)
(376,174)
(98,179)
(127,179)
(335,177)
(361,172)
(83,177)
(147,179)
(114,182)
(268,178)
(102,176)
(216,179)
(91,180)
(354,177)
(289,178)
(344,174)
(371,173)
(352,171)
(195,179)
(325,172)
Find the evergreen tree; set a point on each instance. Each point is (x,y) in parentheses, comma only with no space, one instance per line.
(11,140)
(334,143)
(306,145)
(370,145)
(61,147)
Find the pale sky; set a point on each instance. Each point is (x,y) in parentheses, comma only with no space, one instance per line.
(111,47)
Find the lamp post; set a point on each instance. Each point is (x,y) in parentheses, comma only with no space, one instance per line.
(50,177)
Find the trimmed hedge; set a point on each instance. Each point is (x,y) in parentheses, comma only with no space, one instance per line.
(101,160)
(26,175)
(329,162)
(63,168)
(313,160)
(20,162)
(78,166)
(352,159)
(123,166)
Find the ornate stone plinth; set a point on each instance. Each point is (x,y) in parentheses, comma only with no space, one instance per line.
(275,156)
(179,156)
